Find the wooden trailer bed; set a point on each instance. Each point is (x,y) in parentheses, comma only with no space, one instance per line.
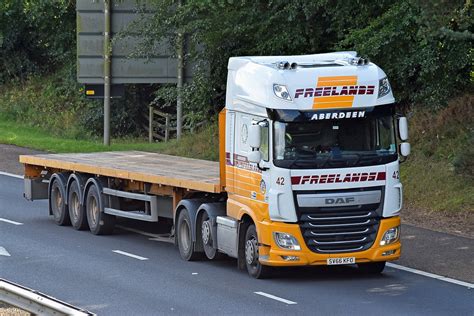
(166,170)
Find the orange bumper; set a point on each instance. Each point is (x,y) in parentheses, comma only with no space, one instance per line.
(271,254)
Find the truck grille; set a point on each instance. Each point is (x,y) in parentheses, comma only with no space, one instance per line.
(340,228)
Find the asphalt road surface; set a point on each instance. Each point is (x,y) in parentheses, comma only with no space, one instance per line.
(129,274)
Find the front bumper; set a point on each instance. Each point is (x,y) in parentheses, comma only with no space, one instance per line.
(272,255)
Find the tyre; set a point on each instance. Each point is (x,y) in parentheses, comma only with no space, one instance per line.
(185,237)
(207,238)
(371,267)
(254,267)
(99,222)
(57,203)
(77,214)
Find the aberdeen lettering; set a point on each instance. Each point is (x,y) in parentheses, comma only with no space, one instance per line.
(337,115)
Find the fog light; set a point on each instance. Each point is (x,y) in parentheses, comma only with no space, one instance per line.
(390,236)
(290,258)
(286,241)
(389,253)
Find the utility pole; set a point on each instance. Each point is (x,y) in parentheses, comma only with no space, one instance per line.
(180,75)
(107,62)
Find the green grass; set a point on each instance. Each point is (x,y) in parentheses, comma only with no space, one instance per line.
(202,145)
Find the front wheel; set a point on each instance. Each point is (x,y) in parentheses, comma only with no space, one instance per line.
(371,267)
(254,267)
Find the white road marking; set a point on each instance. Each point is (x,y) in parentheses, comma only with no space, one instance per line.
(129,255)
(11,175)
(431,275)
(10,222)
(276,298)
(194,273)
(153,237)
(4,252)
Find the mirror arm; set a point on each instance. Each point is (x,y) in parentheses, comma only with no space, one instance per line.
(262,168)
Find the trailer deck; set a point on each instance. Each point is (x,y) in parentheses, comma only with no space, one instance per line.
(173,171)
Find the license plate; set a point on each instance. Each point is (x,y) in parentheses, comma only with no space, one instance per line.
(336,261)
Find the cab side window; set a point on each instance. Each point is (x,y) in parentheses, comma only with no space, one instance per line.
(264,147)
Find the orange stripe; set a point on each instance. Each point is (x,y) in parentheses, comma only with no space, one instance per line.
(332,105)
(337,83)
(348,98)
(335,78)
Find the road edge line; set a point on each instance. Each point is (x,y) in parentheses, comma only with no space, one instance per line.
(131,255)
(7,174)
(431,275)
(276,298)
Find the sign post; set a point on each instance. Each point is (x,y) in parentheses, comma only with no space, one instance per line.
(107,61)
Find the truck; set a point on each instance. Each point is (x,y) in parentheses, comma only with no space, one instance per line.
(308,172)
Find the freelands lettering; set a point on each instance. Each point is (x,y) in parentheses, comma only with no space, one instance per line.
(334,91)
(338,178)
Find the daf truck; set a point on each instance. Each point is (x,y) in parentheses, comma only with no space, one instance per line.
(308,174)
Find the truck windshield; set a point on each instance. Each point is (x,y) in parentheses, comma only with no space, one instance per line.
(335,143)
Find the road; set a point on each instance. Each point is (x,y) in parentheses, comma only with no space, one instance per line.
(83,269)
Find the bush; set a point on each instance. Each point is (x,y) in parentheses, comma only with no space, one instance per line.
(464,160)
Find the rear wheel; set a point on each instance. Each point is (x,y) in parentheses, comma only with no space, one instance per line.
(254,267)
(371,267)
(57,202)
(185,237)
(77,213)
(207,238)
(99,222)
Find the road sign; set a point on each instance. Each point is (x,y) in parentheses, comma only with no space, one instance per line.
(160,68)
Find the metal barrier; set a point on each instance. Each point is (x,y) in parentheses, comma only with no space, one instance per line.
(35,302)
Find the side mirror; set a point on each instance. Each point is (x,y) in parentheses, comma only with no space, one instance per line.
(403,128)
(405,149)
(255,132)
(254,156)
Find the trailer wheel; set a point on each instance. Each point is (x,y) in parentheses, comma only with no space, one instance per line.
(371,267)
(77,213)
(57,202)
(254,267)
(99,222)
(185,237)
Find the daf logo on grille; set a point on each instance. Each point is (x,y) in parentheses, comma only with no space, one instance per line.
(339,200)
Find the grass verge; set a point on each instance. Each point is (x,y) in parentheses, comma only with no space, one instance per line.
(202,145)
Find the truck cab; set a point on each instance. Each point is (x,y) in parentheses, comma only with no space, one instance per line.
(312,147)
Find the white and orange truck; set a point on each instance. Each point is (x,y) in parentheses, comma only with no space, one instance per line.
(308,174)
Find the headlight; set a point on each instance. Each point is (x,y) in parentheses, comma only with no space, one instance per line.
(286,241)
(384,87)
(390,236)
(281,92)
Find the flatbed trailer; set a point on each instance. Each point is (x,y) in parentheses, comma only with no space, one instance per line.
(157,182)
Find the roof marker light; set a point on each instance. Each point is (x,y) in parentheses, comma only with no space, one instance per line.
(283,65)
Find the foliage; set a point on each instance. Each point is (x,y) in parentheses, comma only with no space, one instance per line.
(438,174)
(425,48)
(53,102)
(35,36)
